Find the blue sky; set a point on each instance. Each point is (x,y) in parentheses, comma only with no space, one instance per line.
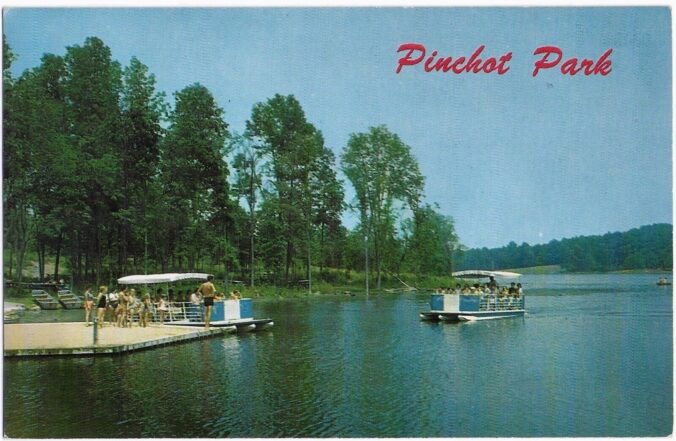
(510,157)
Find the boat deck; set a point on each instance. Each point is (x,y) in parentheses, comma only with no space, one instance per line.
(38,339)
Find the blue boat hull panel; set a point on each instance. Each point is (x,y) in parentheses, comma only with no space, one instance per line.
(461,307)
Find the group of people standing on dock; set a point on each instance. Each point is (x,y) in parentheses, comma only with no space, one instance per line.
(489,288)
(123,305)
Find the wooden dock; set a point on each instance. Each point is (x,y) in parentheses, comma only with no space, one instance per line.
(38,339)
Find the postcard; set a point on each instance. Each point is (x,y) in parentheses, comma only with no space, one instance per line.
(337,222)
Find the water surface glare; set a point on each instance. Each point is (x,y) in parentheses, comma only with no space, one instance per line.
(592,358)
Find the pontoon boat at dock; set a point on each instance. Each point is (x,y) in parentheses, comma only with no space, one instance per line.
(235,314)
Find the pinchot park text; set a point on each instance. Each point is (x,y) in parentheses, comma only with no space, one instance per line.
(415,55)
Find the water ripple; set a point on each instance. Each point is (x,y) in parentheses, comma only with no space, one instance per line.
(585,363)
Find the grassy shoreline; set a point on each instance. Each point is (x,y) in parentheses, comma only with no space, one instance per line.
(354,287)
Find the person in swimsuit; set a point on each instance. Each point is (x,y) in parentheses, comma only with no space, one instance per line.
(101,302)
(208,290)
(112,306)
(144,311)
(88,305)
(132,306)
(121,310)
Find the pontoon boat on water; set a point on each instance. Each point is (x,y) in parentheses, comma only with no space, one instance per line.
(476,306)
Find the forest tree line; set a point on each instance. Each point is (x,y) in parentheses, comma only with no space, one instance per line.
(104,176)
(647,247)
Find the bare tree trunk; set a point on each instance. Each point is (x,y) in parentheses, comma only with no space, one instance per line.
(11,262)
(41,259)
(379,258)
(309,258)
(86,265)
(252,214)
(366,260)
(77,258)
(20,224)
(321,250)
(289,255)
(252,259)
(57,257)
(98,258)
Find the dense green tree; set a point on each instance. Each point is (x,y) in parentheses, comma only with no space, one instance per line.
(142,112)
(92,85)
(55,189)
(383,173)
(194,176)
(247,186)
(272,243)
(17,123)
(429,241)
(328,205)
(291,146)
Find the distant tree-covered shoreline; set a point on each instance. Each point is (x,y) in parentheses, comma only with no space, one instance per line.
(647,247)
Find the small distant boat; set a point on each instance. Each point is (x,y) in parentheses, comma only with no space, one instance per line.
(69,300)
(663,282)
(234,314)
(44,300)
(471,307)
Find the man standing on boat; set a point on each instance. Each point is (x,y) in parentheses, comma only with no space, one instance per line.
(208,290)
(492,283)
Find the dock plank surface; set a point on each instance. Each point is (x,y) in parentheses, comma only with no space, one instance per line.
(35,339)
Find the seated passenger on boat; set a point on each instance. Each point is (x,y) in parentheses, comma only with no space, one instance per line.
(195,298)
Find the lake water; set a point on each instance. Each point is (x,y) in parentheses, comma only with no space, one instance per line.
(593,357)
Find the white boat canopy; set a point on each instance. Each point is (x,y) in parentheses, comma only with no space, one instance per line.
(148,279)
(475,274)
